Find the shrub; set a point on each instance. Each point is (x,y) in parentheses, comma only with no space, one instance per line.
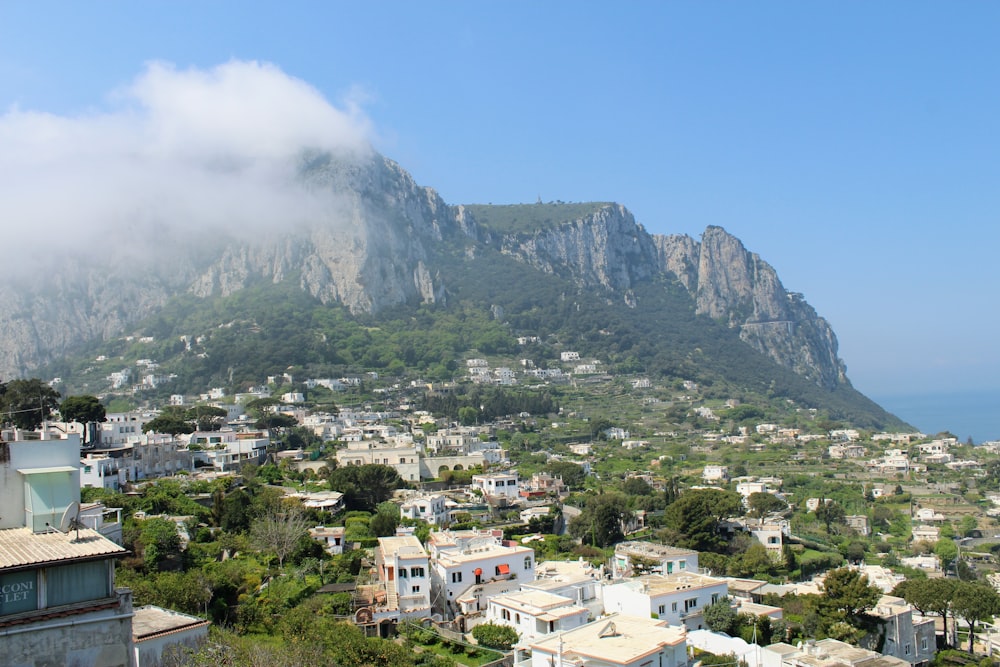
(495,636)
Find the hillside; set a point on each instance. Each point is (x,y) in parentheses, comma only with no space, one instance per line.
(392,279)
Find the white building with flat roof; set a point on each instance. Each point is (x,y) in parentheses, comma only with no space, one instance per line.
(430,508)
(498,484)
(666,559)
(617,640)
(464,562)
(534,614)
(403,569)
(679,597)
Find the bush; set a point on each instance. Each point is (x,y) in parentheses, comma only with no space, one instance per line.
(495,636)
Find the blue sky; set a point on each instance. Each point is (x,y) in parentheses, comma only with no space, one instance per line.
(852,145)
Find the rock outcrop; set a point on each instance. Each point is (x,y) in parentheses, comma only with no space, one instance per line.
(378,244)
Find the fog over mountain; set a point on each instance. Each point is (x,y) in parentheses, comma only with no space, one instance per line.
(207,182)
(179,153)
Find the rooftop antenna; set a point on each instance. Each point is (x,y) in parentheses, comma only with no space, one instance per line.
(71,520)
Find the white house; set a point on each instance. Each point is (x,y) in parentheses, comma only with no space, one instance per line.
(534,614)
(430,508)
(926,533)
(462,562)
(666,559)
(331,537)
(228,450)
(715,473)
(615,641)
(679,597)
(404,570)
(498,484)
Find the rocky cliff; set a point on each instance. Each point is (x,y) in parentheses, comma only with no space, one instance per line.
(728,283)
(377,243)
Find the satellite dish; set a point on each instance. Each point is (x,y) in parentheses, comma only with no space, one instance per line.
(71,519)
(72,512)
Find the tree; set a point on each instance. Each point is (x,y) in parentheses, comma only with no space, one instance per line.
(946,550)
(830,512)
(761,504)
(974,602)
(929,595)
(636,486)
(172,420)
(601,521)
(849,592)
(754,561)
(384,523)
(207,417)
(491,635)
(692,521)
(26,403)
(719,616)
(572,475)
(468,416)
(279,530)
(365,486)
(156,539)
(83,409)
(276,421)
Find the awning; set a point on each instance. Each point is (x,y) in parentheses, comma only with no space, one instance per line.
(504,569)
(478,572)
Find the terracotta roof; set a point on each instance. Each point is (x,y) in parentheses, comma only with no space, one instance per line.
(20,547)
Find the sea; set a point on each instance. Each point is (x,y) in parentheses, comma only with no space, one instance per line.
(964,414)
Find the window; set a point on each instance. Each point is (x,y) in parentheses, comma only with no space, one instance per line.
(690,604)
(663,609)
(402,573)
(517,618)
(456,577)
(415,589)
(416,571)
(527,562)
(906,649)
(75,583)
(673,607)
(715,598)
(923,643)
(683,565)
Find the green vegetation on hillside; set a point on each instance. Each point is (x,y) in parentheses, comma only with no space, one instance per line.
(528,218)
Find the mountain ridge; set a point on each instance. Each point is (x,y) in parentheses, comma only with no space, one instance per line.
(384,241)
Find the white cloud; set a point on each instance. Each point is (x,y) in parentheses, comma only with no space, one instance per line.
(177,150)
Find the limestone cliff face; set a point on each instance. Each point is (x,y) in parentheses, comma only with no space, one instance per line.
(731,284)
(377,242)
(607,249)
(372,250)
(728,283)
(372,247)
